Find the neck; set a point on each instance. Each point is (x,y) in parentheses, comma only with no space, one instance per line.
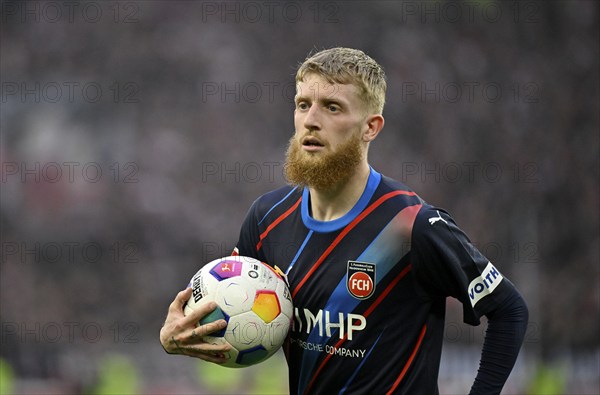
(333,203)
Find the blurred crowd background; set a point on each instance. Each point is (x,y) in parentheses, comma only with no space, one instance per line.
(136,134)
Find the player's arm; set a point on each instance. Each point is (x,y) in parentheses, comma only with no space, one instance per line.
(447,264)
(506,329)
(180,335)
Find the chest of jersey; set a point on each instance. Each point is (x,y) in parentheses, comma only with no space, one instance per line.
(331,274)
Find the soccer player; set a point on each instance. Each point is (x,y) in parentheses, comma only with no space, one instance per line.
(369,263)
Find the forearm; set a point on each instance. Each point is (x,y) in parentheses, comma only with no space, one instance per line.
(503,339)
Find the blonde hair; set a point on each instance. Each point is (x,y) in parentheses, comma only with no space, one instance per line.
(349,66)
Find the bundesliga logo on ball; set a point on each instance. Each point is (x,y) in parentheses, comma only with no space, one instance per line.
(253,299)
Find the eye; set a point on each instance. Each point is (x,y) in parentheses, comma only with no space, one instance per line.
(302,105)
(333,108)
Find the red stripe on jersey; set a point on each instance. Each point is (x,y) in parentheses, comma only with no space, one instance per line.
(344,232)
(276,222)
(387,290)
(327,358)
(410,359)
(376,303)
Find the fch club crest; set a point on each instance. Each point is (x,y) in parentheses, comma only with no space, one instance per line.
(360,279)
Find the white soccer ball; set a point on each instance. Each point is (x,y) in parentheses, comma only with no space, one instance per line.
(253,299)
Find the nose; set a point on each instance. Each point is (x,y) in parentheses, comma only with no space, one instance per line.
(311,118)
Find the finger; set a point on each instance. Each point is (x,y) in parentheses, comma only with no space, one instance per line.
(197,333)
(217,356)
(211,327)
(209,348)
(195,338)
(195,347)
(177,305)
(200,311)
(218,359)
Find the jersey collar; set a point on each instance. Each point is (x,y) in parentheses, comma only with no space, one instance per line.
(336,224)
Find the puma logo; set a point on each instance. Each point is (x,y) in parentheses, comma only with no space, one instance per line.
(433,220)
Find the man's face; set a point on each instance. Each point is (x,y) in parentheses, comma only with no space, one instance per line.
(327,146)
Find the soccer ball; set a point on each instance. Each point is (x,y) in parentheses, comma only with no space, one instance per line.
(253,299)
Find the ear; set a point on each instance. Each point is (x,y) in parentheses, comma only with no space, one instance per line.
(374,125)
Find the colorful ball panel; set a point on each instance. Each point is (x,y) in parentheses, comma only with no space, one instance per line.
(226,269)
(266,305)
(252,355)
(216,314)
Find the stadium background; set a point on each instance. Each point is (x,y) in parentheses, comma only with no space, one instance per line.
(136,134)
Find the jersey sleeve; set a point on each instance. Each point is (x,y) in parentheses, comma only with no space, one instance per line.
(447,264)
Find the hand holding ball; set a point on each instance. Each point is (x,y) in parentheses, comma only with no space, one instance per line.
(253,299)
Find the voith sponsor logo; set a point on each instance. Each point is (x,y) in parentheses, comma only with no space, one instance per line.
(485,284)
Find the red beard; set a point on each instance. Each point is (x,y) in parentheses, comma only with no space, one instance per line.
(325,170)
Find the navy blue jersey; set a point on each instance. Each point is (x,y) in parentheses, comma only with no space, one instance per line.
(369,288)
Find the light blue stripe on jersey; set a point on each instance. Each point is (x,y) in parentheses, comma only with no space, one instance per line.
(351,379)
(277,204)
(385,251)
(299,251)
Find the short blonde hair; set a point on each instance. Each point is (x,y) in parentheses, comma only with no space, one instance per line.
(349,66)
